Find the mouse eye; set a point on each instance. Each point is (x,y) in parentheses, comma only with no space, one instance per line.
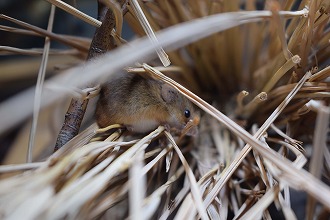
(187,113)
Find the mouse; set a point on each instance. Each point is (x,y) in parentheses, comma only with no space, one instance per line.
(142,104)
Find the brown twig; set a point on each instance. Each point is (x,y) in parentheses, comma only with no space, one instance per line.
(102,42)
(72,122)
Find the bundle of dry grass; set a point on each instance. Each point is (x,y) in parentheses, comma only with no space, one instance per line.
(266,71)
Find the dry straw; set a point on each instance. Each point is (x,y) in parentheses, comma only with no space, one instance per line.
(259,79)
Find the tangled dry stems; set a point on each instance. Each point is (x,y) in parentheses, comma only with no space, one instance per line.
(284,69)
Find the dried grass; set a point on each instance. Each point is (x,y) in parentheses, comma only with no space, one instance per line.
(269,92)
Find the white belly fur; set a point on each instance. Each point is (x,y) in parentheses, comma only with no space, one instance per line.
(143,126)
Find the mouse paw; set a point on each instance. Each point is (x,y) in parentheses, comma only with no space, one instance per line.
(129,128)
(167,127)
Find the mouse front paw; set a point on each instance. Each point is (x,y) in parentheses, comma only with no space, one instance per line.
(167,127)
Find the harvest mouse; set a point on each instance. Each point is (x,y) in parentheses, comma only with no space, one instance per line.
(142,104)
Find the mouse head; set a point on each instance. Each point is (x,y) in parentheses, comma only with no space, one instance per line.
(182,113)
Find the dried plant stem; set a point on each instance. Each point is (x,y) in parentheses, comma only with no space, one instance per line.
(280,72)
(147,167)
(250,107)
(322,74)
(313,187)
(43,32)
(92,187)
(150,33)
(280,29)
(239,158)
(306,43)
(71,10)
(157,193)
(160,68)
(96,175)
(193,184)
(13,50)
(34,52)
(239,100)
(104,67)
(255,212)
(20,167)
(268,197)
(39,86)
(137,187)
(319,146)
(18,30)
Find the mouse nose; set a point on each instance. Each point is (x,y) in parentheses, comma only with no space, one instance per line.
(196,120)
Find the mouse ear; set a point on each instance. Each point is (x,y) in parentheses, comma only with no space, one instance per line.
(169,94)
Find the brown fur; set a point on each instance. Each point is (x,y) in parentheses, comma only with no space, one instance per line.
(130,98)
